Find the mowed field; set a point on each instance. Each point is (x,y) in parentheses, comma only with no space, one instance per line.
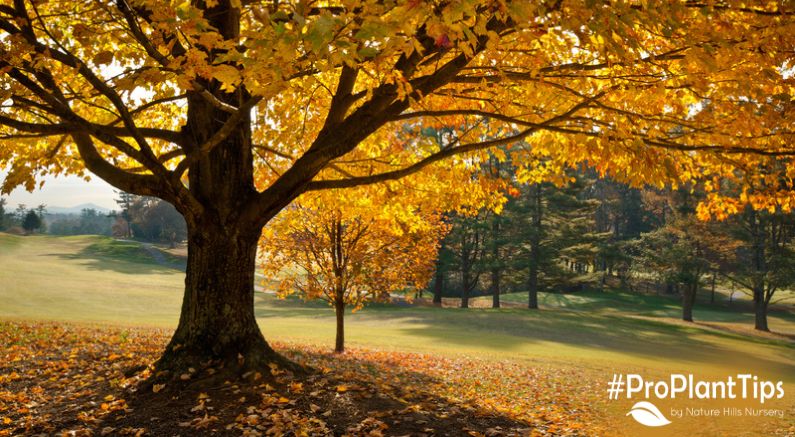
(99,281)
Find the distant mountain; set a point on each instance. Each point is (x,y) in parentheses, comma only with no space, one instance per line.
(76,209)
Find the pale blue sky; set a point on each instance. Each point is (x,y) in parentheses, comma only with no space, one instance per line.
(64,191)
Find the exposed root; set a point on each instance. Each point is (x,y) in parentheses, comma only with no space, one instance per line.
(195,368)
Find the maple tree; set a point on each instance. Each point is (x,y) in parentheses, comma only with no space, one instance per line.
(231,109)
(351,248)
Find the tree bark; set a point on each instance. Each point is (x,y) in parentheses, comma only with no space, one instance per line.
(535,250)
(495,260)
(712,293)
(532,293)
(760,310)
(217,326)
(438,286)
(339,344)
(465,272)
(438,283)
(495,288)
(688,300)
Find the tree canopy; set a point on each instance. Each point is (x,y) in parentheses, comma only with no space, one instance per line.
(652,92)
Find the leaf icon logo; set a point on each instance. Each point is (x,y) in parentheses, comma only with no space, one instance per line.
(647,414)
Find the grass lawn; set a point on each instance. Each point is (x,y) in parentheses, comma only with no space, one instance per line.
(95,279)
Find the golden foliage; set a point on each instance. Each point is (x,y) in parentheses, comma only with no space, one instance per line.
(650,92)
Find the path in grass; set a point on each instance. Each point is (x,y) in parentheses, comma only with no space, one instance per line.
(92,279)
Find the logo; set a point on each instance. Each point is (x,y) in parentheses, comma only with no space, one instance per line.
(647,414)
(688,387)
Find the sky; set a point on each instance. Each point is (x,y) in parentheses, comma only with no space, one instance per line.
(63,191)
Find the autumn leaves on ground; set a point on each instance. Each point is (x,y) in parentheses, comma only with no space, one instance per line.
(410,370)
(60,378)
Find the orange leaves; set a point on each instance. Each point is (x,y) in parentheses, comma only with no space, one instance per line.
(198,423)
(49,366)
(353,246)
(364,392)
(665,94)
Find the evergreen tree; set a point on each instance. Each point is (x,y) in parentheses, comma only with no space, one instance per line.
(556,239)
(31,222)
(125,202)
(444,264)
(764,262)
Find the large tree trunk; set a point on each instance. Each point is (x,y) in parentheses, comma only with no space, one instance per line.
(217,326)
(760,310)
(339,344)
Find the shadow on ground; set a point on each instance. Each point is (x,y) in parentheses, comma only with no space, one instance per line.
(513,328)
(124,257)
(83,393)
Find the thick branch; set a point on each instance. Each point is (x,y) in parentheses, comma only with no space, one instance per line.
(438,156)
(144,185)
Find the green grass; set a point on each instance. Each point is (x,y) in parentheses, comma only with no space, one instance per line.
(782,318)
(96,279)
(86,278)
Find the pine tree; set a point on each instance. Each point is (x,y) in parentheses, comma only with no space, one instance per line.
(31,222)
(556,240)
(125,202)
(764,262)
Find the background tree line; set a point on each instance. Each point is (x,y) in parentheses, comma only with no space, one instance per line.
(142,218)
(590,232)
(22,220)
(148,219)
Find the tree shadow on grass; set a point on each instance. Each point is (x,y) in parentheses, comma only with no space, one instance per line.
(123,257)
(363,393)
(512,329)
(350,396)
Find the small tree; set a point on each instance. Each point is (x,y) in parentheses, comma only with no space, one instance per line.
(120,227)
(466,243)
(20,212)
(125,202)
(41,210)
(31,222)
(682,252)
(350,256)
